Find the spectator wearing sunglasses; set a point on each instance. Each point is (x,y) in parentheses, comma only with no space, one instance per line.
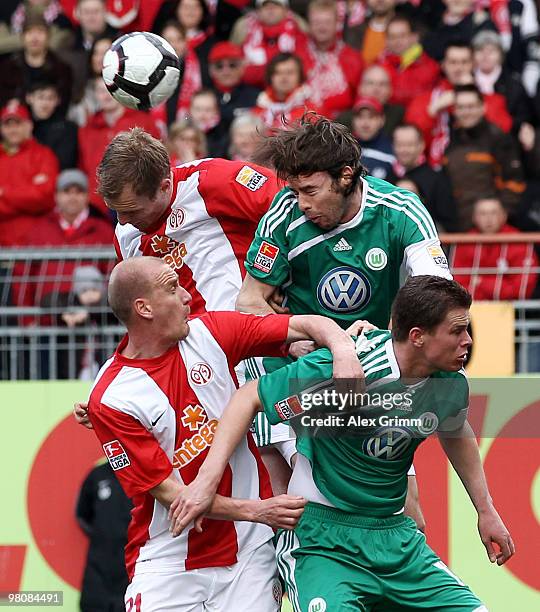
(226,68)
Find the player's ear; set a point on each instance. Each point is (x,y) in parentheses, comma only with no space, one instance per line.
(165,184)
(416,337)
(347,174)
(143,308)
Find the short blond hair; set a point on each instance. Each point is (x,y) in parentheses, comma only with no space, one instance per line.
(133,158)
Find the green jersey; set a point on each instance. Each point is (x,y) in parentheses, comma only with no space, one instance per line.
(352,271)
(357,460)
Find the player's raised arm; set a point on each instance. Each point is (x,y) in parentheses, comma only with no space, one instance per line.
(461,449)
(325,332)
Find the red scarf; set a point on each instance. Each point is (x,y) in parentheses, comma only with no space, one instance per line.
(326,71)
(258,47)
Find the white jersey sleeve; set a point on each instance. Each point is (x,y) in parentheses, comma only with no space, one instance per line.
(426,257)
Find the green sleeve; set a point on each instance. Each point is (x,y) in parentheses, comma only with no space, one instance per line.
(266,259)
(457,387)
(280,392)
(417,222)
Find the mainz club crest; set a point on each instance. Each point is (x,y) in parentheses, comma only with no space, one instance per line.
(201,374)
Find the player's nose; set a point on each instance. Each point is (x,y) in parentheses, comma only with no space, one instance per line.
(186,297)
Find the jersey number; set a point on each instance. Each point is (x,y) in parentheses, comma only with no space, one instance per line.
(137,603)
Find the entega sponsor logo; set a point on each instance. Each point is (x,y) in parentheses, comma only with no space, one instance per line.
(194,446)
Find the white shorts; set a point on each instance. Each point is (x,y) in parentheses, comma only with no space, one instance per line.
(251,585)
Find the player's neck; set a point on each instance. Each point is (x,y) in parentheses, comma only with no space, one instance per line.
(146,346)
(354,202)
(412,366)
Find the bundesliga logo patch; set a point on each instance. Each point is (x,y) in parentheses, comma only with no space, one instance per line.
(116,455)
(266,256)
(438,256)
(289,407)
(250,178)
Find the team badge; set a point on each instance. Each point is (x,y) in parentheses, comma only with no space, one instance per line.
(376,259)
(266,257)
(289,407)
(176,218)
(438,256)
(250,178)
(344,289)
(116,455)
(430,422)
(318,604)
(201,374)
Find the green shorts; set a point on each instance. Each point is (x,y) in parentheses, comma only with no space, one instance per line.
(339,562)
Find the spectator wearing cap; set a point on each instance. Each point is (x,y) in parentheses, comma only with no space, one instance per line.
(412,71)
(226,67)
(101,128)
(82,304)
(28,172)
(491,76)
(434,187)
(332,68)
(480,159)
(70,224)
(35,63)
(50,127)
(367,128)
(269,30)
(287,96)
(73,221)
(376,83)
(176,108)
(460,22)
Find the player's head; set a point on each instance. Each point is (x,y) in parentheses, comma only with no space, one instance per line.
(144,294)
(431,315)
(134,178)
(320,160)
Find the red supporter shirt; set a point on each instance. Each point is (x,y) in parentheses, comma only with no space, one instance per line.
(97,134)
(157,416)
(27,181)
(206,231)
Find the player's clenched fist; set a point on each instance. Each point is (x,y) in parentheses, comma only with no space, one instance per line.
(281,512)
(80,412)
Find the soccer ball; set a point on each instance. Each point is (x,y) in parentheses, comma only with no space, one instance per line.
(141,70)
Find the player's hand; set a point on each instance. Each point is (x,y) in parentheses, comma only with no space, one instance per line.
(301,347)
(356,328)
(494,535)
(280,512)
(275,302)
(191,504)
(80,412)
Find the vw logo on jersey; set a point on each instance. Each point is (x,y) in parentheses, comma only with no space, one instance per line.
(388,443)
(343,289)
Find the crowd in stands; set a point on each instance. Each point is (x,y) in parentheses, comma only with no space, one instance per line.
(443,96)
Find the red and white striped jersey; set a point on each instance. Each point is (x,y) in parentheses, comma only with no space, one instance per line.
(157,416)
(207,229)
